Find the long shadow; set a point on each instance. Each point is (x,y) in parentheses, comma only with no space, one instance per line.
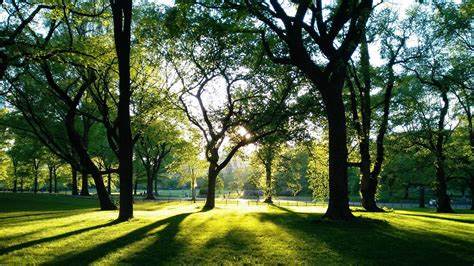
(165,242)
(438,217)
(9,249)
(365,241)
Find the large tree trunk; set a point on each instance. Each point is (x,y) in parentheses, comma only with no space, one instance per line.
(338,208)
(122,16)
(85,184)
(211,187)
(74,182)
(149,185)
(444,202)
(441,188)
(21,184)
(268,183)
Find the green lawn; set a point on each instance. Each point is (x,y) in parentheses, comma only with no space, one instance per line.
(46,229)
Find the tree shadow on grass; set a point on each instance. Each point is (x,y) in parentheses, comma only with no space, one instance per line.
(162,248)
(430,216)
(368,241)
(9,249)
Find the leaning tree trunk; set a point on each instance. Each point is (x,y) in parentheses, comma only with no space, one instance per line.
(268,183)
(74,182)
(85,184)
(211,186)
(122,18)
(338,208)
(87,163)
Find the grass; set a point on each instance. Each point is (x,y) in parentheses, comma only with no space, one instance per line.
(46,229)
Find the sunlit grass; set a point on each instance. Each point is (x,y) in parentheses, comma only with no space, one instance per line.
(63,230)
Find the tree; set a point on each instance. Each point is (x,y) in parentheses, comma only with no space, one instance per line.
(247,112)
(122,20)
(267,152)
(361,87)
(298,39)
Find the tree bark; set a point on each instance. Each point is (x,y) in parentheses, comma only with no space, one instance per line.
(122,16)
(85,184)
(87,163)
(149,185)
(444,202)
(338,208)
(268,183)
(211,186)
(74,181)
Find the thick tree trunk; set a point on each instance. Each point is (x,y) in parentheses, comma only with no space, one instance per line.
(85,184)
(74,182)
(338,208)
(122,16)
(368,184)
(268,183)
(211,187)
(421,203)
(21,184)
(149,185)
(444,202)
(441,188)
